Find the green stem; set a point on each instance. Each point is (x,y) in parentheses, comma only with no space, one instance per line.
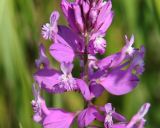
(86,59)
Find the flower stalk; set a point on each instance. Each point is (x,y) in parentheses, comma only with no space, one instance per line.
(86,63)
(118,73)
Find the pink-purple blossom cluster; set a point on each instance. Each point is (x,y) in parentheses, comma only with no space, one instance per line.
(118,74)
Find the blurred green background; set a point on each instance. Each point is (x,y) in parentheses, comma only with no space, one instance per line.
(20,25)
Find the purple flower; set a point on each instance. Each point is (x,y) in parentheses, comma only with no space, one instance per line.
(116,71)
(84,38)
(38,105)
(115,60)
(50,29)
(110,114)
(67,81)
(138,120)
(56,82)
(113,119)
(95,16)
(93,21)
(49,117)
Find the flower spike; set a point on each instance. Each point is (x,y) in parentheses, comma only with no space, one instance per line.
(83,40)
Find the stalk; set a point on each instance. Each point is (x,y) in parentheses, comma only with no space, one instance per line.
(85,59)
(86,78)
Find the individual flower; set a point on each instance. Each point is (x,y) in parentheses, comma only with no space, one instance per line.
(137,121)
(112,119)
(52,80)
(110,114)
(38,105)
(49,117)
(115,72)
(115,60)
(56,82)
(67,80)
(49,30)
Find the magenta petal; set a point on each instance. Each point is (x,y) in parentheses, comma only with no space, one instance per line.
(37,118)
(85,7)
(84,89)
(104,14)
(109,61)
(78,16)
(71,38)
(96,89)
(67,44)
(47,78)
(61,51)
(118,117)
(107,22)
(119,82)
(65,7)
(69,14)
(123,125)
(99,117)
(87,116)
(58,119)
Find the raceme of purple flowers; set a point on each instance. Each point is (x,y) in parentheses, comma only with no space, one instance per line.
(83,39)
